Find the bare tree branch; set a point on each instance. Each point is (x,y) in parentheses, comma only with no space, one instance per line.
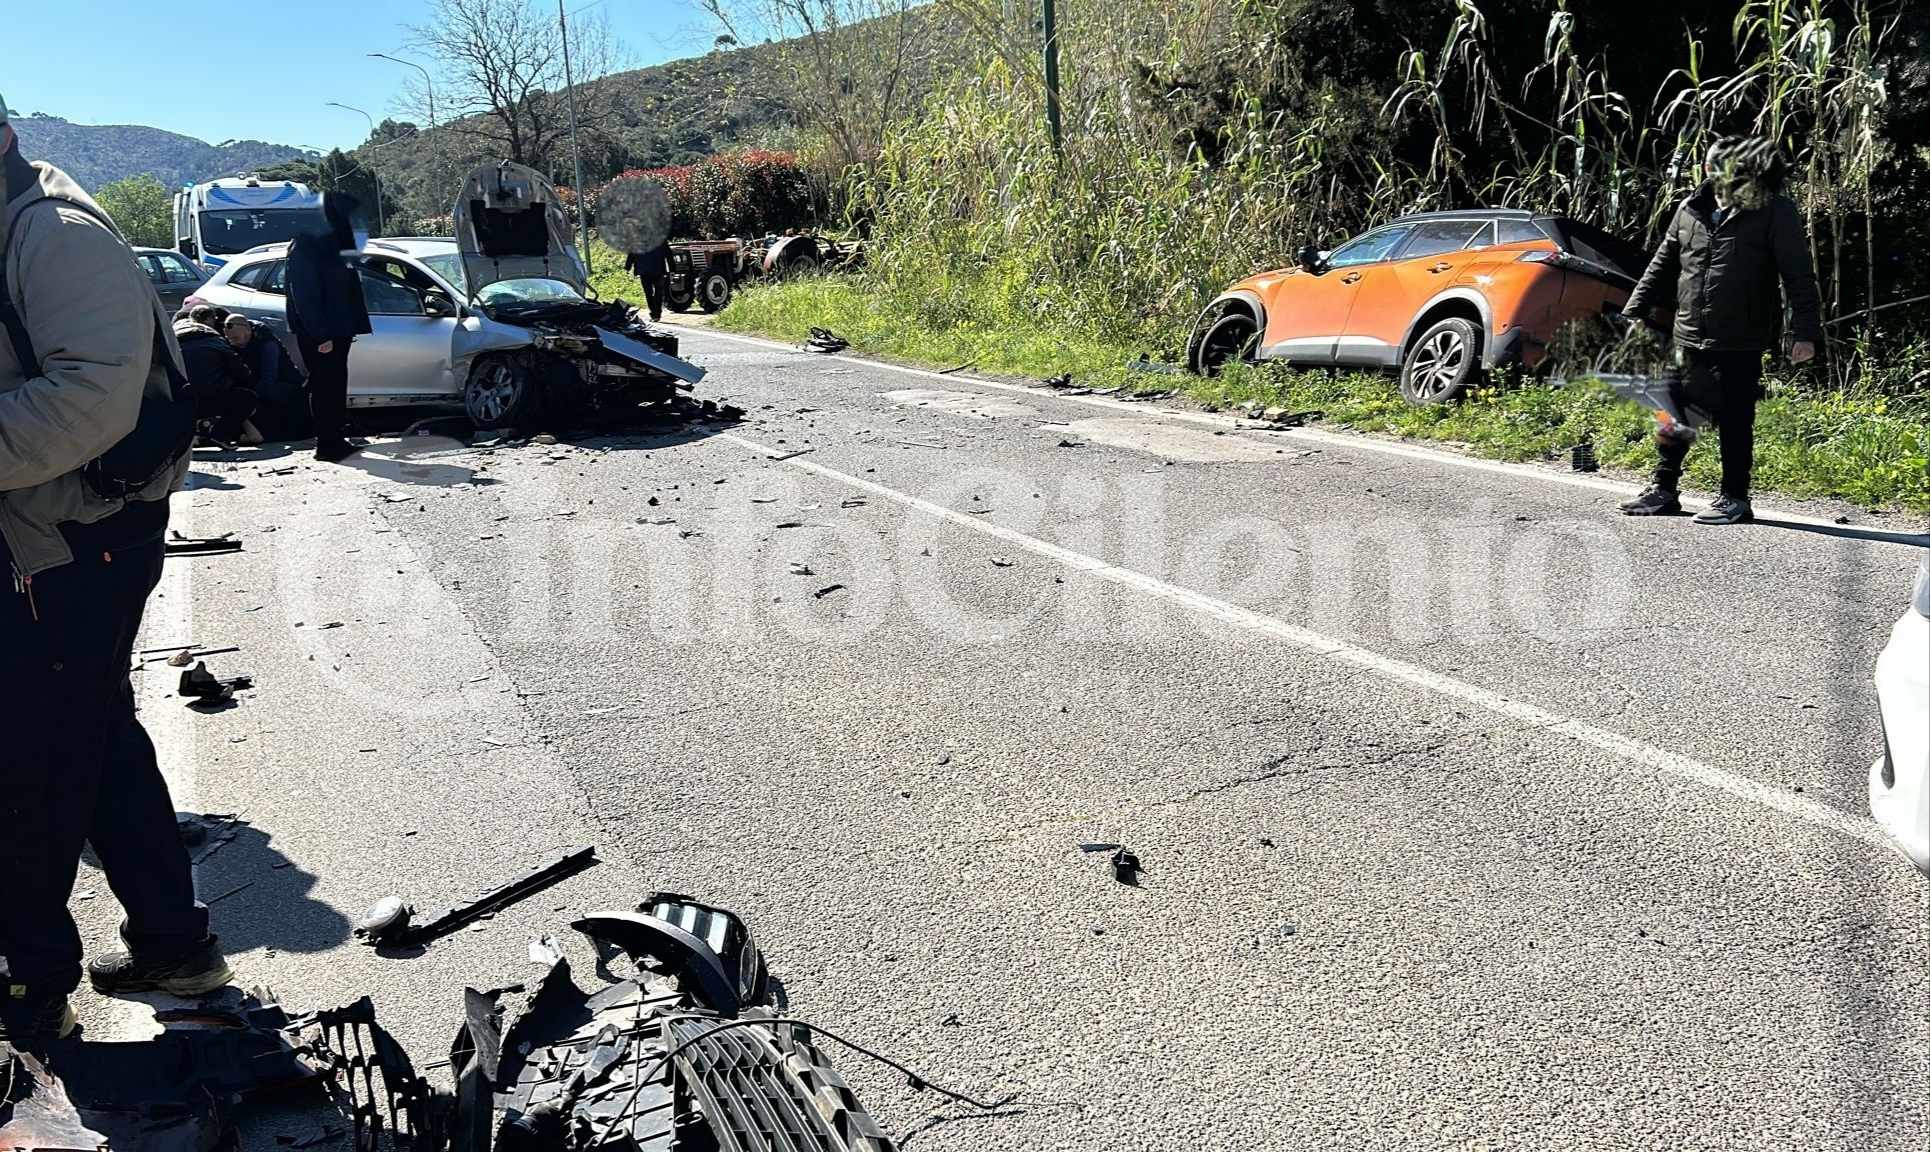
(499,74)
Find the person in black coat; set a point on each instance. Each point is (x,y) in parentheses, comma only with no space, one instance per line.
(326,313)
(653,269)
(224,392)
(282,413)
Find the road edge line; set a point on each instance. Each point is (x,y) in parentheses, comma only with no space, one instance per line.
(1682,767)
(1322,437)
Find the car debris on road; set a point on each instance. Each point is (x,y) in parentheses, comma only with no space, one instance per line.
(390,923)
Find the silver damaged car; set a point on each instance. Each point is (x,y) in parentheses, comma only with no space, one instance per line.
(497,320)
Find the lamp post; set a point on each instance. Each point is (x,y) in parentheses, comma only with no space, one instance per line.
(429,86)
(380,225)
(576,155)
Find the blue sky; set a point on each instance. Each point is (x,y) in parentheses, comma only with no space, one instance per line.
(260,69)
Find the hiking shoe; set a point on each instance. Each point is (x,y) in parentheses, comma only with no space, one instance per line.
(1726,510)
(196,974)
(1653,501)
(32,1023)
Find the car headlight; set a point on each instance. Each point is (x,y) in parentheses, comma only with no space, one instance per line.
(1921,599)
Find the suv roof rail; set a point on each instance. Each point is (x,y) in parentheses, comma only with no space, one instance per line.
(1469,214)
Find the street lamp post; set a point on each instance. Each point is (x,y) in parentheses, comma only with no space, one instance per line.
(429,86)
(380,225)
(576,155)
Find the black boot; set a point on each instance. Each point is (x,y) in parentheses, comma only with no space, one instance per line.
(196,974)
(31,1022)
(1654,500)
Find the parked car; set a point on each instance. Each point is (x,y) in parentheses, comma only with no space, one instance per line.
(174,276)
(1900,778)
(1440,296)
(498,320)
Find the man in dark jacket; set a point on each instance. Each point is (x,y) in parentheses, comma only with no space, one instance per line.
(283,410)
(224,391)
(1717,269)
(79,766)
(326,313)
(653,269)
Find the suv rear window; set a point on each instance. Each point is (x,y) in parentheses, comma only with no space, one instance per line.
(1597,246)
(1517,232)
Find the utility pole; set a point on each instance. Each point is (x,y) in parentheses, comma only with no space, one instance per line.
(380,226)
(435,143)
(1051,23)
(576,154)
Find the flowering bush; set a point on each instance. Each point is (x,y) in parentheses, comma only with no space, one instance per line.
(749,193)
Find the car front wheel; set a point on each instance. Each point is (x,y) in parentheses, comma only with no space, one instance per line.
(1441,364)
(500,392)
(1232,337)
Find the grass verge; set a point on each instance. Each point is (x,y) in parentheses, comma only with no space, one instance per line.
(1864,448)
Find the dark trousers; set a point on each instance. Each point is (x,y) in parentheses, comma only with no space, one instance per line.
(655,285)
(80,768)
(228,410)
(327,389)
(1726,385)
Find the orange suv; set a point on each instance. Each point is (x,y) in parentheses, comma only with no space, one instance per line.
(1442,296)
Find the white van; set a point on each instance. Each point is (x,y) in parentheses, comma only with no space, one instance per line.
(221,218)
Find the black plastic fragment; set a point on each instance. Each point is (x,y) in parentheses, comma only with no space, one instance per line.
(407,931)
(1125,867)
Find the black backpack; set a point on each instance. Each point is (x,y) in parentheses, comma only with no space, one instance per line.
(164,430)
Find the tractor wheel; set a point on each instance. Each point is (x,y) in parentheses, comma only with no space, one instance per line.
(713,292)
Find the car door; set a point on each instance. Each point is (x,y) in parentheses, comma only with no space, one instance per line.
(1392,292)
(157,275)
(1307,311)
(180,279)
(405,356)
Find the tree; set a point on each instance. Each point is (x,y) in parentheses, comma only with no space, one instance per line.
(500,74)
(852,63)
(390,130)
(141,208)
(343,172)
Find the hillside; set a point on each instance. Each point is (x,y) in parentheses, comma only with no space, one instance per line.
(96,154)
(670,113)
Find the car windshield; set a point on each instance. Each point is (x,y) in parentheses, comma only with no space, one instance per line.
(241,229)
(528,290)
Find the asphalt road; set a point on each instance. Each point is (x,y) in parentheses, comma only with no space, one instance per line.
(1473,815)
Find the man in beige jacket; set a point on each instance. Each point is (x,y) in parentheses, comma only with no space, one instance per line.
(78,765)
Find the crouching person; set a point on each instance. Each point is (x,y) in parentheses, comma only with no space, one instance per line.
(86,339)
(224,392)
(281,410)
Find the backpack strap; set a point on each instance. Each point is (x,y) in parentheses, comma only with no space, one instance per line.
(23,345)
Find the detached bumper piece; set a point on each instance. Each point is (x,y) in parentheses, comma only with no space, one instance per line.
(685,1056)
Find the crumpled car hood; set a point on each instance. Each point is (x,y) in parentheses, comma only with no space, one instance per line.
(511,226)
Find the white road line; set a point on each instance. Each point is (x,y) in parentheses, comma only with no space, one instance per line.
(169,619)
(1343,440)
(1646,755)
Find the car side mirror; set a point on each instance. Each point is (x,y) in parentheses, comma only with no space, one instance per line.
(437,305)
(189,250)
(1308,258)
